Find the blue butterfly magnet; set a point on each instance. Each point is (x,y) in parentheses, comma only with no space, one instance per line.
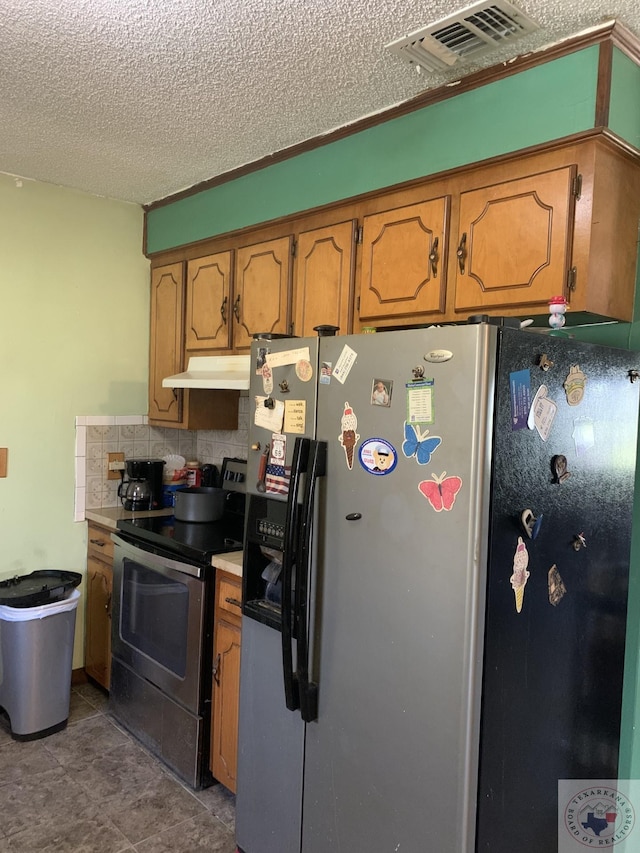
(419,444)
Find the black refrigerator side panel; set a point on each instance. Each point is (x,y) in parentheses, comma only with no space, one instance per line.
(552,682)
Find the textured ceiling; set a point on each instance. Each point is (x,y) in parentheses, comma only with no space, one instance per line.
(138,99)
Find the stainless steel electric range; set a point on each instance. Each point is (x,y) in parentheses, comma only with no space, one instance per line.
(162,628)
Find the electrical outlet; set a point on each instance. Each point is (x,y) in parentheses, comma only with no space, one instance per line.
(115,464)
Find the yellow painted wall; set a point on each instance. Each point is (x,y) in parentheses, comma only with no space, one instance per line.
(74,308)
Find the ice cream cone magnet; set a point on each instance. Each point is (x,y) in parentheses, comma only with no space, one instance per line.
(520,574)
(574,385)
(348,438)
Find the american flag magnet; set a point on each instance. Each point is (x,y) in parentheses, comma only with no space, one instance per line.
(278,474)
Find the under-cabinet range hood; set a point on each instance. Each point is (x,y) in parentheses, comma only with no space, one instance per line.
(214,371)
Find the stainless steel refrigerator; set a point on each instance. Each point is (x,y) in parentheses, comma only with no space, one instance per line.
(435,583)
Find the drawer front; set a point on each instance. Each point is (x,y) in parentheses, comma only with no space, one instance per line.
(230,596)
(100,544)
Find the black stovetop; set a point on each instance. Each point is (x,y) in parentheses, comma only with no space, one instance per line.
(196,542)
(190,541)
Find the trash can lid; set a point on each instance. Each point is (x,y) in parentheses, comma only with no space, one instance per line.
(37,588)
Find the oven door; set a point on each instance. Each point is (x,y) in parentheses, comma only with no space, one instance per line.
(159,621)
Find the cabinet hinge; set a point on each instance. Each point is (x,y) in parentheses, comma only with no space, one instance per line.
(294,248)
(359,232)
(291,329)
(571,278)
(358,304)
(576,186)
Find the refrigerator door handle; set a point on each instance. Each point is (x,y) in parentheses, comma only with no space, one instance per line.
(308,689)
(289,559)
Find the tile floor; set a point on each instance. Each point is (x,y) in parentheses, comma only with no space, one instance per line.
(93,789)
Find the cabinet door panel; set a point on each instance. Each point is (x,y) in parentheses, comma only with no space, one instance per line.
(324,278)
(518,241)
(226,689)
(167,318)
(208,315)
(261,293)
(98,621)
(399,278)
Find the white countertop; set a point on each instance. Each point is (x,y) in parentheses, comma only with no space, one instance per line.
(109,515)
(230,562)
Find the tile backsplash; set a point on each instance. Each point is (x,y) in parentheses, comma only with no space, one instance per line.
(97,435)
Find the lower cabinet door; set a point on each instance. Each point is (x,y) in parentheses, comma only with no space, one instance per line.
(226,688)
(98,627)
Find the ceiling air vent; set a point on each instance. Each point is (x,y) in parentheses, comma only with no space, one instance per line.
(470,33)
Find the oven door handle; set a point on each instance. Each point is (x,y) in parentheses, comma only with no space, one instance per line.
(161,561)
(289,558)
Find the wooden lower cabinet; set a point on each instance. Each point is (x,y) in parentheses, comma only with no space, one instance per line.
(226,679)
(97,657)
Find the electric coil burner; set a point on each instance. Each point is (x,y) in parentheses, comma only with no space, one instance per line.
(162,628)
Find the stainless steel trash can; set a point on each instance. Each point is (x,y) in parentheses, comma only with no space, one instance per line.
(36,656)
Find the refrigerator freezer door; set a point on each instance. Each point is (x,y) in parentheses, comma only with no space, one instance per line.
(270,749)
(289,387)
(391,762)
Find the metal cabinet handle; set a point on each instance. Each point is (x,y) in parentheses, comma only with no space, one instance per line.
(99,542)
(107,606)
(236,308)
(216,671)
(234,601)
(462,252)
(433,257)
(223,310)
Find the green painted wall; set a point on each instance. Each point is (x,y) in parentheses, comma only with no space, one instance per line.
(74,307)
(547,102)
(624,112)
(627,336)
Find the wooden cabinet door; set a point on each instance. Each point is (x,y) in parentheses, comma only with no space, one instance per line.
(98,621)
(208,313)
(514,241)
(261,292)
(403,270)
(226,689)
(166,341)
(323,290)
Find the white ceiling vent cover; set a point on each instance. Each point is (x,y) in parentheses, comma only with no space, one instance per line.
(470,33)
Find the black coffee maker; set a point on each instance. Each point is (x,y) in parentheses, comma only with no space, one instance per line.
(141,489)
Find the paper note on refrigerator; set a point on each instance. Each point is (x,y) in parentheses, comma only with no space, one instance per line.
(290,356)
(269,418)
(294,415)
(344,364)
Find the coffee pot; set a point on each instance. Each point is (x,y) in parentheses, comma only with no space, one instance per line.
(142,487)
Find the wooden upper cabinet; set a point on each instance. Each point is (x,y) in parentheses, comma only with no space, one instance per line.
(514,241)
(324,275)
(261,293)
(166,340)
(197,408)
(403,273)
(208,311)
